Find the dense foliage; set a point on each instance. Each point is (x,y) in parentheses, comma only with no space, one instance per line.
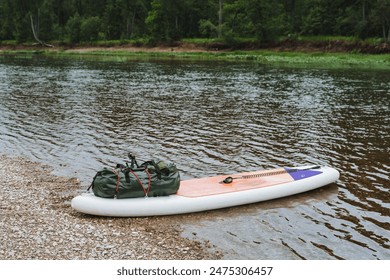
(167,20)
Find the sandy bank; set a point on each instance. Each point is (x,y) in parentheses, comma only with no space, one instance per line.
(302,46)
(37,222)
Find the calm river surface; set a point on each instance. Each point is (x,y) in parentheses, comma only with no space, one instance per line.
(216,118)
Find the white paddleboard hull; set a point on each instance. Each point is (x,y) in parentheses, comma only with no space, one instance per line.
(88,203)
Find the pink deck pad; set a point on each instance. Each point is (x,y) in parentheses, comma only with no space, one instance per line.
(213,185)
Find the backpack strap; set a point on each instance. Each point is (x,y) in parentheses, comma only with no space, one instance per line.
(133,161)
(156,167)
(158,170)
(93,180)
(126,169)
(118,180)
(145,189)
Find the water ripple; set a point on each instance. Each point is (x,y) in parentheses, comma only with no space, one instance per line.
(213,118)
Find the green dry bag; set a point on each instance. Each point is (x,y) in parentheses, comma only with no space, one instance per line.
(152,178)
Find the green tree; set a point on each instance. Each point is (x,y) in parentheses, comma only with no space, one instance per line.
(113,19)
(262,19)
(6,20)
(293,15)
(92,8)
(90,28)
(162,20)
(134,13)
(380,17)
(313,22)
(73,28)
(46,21)
(168,20)
(22,25)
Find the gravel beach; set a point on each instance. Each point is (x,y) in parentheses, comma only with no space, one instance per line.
(37,222)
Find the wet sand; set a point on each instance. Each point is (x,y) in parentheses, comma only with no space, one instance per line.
(37,222)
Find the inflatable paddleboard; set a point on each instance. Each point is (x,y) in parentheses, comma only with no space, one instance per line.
(196,195)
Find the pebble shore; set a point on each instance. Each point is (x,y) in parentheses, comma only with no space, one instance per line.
(37,222)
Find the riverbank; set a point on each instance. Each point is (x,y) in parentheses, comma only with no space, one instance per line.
(37,222)
(317,55)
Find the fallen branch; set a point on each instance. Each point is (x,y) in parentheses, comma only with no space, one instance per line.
(36,37)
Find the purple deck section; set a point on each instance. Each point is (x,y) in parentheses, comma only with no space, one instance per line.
(302,174)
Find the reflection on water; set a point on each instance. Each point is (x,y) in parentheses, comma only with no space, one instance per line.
(219,117)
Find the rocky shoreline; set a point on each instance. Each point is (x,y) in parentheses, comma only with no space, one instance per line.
(37,222)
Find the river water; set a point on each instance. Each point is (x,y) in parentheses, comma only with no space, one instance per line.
(211,118)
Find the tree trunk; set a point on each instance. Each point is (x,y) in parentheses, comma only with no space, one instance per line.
(364,9)
(132,25)
(220,19)
(388,35)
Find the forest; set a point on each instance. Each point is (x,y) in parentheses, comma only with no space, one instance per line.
(75,21)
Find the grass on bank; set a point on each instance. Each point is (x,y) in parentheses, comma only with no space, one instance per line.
(316,59)
(266,57)
(288,59)
(116,51)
